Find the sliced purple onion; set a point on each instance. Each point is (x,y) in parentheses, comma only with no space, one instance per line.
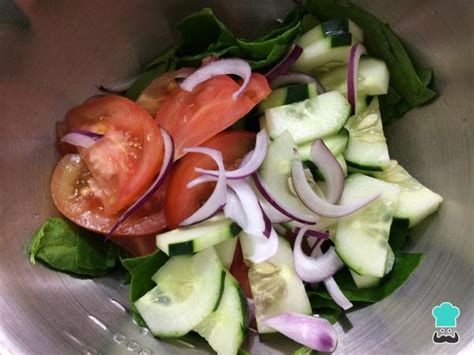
(258,248)
(292,214)
(81,138)
(256,224)
(336,294)
(318,204)
(234,210)
(314,269)
(284,65)
(233,66)
(218,197)
(273,214)
(331,285)
(297,78)
(313,233)
(250,164)
(352,67)
(120,86)
(330,168)
(268,224)
(161,177)
(311,331)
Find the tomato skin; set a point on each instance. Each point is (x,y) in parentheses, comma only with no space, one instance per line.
(193,117)
(154,94)
(240,271)
(181,202)
(71,195)
(128,156)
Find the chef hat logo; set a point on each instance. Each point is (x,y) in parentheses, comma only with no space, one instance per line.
(445,315)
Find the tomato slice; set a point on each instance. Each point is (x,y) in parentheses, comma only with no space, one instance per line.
(74,199)
(240,271)
(181,202)
(153,96)
(194,117)
(129,155)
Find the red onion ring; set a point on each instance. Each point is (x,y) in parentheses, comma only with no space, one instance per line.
(297,78)
(218,197)
(295,215)
(161,177)
(250,164)
(311,331)
(313,233)
(81,138)
(314,270)
(258,248)
(234,66)
(284,65)
(354,56)
(234,210)
(317,204)
(330,168)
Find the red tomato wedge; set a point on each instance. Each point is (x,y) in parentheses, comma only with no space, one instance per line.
(240,271)
(181,202)
(193,117)
(128,156)
(74,199)
(153,96)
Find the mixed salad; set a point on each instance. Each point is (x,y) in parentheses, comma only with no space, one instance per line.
(246,185)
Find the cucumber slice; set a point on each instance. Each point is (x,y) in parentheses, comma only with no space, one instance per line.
(318,117)
(331,28)
(362,238)
(336,144)
(276,287)
(342,162)
(317,174)
(372,78)
(188,289)
(288,95)
(226,251)
(325,53)
(275,171)
(226,327)
(416,201)
(367,148)
(365,281)
(200,236)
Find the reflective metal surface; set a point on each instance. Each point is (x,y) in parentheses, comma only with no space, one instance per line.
(53,53)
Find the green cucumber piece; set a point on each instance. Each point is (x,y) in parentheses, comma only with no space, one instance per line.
(188,289)
(367,148)
(416,201)
(362,238)
(337,144)
(226,251)
(288,95)
(197,237)
(318,117)
(363,281)
(372,78)
(226,327)
(331,28)
(276,287)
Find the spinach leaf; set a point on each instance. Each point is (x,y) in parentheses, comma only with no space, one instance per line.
(324,307)
(160,65)
(64,246)
(411,84)
(398,234)
(141,270)
(405,264)
(303,351)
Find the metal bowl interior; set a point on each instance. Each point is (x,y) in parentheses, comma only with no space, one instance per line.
(52,56)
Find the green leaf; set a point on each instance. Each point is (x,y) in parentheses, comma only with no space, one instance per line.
(398,233)
(64,246)
(141,270)
(160,65)
(382,42)
(303,351)
(405,264)
(202,33)
(324,307)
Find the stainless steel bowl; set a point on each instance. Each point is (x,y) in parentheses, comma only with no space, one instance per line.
(52,56)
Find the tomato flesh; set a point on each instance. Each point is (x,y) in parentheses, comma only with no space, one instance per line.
(74,199)
(193,117)
(181,202)
(128,156)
